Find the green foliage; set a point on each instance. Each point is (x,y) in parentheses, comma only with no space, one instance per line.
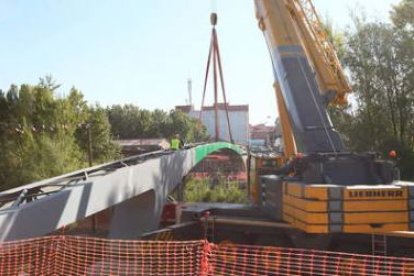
(131,122)
(380,59)
(41,157)
(402,16)
(123,120)
(97,132)
(43,135)
(205,191)
(197,191)
(40,133)
(33,156)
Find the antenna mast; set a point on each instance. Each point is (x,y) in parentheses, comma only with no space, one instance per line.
(190,91)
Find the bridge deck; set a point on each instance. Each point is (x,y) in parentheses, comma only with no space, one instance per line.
(137,188)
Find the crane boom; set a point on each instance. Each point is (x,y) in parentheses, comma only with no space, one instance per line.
(306,83)
(330,74)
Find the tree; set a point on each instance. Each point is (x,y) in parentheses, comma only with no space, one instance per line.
(402,17)
(380,59)
(379,73)
(38,133)
(160,123)
(189,129)
(49,83)
(42,135)
(130,122)
(29,156)
(123,120)
(96,131)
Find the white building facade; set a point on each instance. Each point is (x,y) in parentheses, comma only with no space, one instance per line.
(238,117)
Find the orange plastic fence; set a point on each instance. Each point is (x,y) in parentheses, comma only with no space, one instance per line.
(70,255)
(257,260)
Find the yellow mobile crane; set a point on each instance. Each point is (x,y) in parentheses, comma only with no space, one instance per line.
(317,194)
(324,188)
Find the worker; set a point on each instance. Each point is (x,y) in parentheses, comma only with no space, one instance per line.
(176,142)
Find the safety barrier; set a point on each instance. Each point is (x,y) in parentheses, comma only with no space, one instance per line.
(70,255)
(258,260)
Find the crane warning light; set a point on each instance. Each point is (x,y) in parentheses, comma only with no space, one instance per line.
(392,154)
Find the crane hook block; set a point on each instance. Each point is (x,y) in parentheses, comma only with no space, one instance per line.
(213,19)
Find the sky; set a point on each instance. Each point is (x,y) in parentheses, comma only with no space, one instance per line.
(142,52)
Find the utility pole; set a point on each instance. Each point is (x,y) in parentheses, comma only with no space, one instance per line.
(90,156)
(90,159)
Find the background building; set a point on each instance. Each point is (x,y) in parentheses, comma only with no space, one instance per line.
(139,146)
(238,116)
(266,137)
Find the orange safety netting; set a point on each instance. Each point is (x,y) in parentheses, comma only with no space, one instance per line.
(258,260)
(70,255)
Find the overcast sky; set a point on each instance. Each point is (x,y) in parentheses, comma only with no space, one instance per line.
(142,52)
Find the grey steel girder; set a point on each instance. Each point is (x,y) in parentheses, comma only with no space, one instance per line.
(136,188)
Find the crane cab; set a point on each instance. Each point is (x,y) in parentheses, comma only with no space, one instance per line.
(258,166)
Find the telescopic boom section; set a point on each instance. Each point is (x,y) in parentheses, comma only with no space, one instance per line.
(305,72)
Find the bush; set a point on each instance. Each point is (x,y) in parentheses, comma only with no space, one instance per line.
(209,190)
